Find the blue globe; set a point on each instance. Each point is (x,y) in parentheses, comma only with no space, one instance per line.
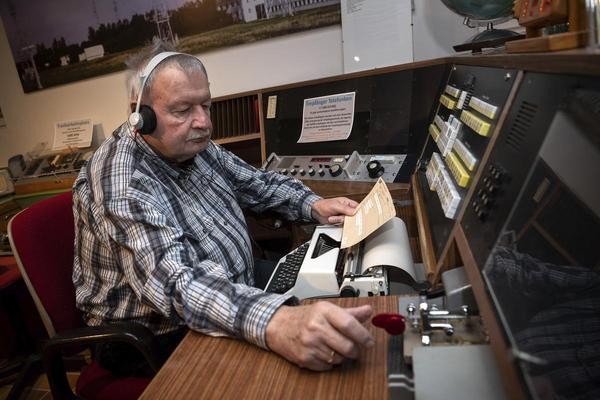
(481,10)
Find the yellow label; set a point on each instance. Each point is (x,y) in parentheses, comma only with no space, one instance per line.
(477,124)
(447,102)
(434,132)
(460,173)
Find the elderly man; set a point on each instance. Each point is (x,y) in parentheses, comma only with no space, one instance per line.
(161,239)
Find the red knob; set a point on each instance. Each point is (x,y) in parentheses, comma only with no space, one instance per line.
(393,324)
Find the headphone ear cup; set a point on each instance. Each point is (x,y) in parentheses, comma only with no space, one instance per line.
(149,120)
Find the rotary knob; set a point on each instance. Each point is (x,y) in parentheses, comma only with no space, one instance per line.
(481,214)
(375,169)
(293,171)
(321,172)
(284,171)
(302,172)
(349,291)
(335,170)
(311,171)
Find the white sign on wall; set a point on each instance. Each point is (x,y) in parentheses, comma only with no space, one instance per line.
(376,34)
(327,118)
(76,133)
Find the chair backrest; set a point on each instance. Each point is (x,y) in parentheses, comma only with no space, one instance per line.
(42,239)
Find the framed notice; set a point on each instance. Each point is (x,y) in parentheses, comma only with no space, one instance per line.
(77,133)
(327,118)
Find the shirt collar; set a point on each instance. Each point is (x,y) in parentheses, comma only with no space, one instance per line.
(173,169)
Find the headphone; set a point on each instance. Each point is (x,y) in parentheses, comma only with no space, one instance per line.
(143,119)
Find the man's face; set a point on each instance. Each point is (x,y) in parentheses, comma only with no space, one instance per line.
(182,107)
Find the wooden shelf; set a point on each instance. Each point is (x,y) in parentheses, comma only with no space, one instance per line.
(235,117)
(236,139)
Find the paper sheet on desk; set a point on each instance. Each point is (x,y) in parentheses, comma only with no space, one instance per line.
(375,210)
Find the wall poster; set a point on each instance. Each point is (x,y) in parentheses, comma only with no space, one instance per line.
(61,41)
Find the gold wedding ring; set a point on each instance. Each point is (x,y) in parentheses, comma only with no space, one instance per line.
(331,356)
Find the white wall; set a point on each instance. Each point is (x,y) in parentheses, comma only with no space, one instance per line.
(436,29)
(314,54)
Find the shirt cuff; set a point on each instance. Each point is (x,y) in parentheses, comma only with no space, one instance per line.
(261,312)
(307,204)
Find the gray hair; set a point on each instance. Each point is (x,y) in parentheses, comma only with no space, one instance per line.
(137,63)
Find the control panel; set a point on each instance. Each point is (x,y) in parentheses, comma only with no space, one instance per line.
(349,167)
(468,110)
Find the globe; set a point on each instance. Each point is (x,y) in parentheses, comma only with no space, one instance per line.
(481,11)
(484,12)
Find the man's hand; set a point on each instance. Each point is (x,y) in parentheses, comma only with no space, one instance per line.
(332,211)
(319,335)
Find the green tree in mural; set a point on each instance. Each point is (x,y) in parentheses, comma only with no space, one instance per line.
(197,17)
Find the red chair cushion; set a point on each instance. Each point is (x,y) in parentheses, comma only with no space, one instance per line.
(97,383)
(44,236)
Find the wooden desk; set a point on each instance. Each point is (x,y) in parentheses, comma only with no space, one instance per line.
(222,368)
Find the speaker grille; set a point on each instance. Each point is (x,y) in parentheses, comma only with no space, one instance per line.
(521,125)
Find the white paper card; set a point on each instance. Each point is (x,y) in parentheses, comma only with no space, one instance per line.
(272,107)
(76,133)
(373,211)
(327,118)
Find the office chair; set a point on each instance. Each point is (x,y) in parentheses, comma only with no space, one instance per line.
(42,238)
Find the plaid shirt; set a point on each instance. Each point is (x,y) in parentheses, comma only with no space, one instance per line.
(166,245)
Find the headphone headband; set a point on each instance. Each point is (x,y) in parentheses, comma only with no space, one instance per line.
(152,64)
(144,119)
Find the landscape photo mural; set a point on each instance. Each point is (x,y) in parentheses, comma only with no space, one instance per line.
(61,41)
